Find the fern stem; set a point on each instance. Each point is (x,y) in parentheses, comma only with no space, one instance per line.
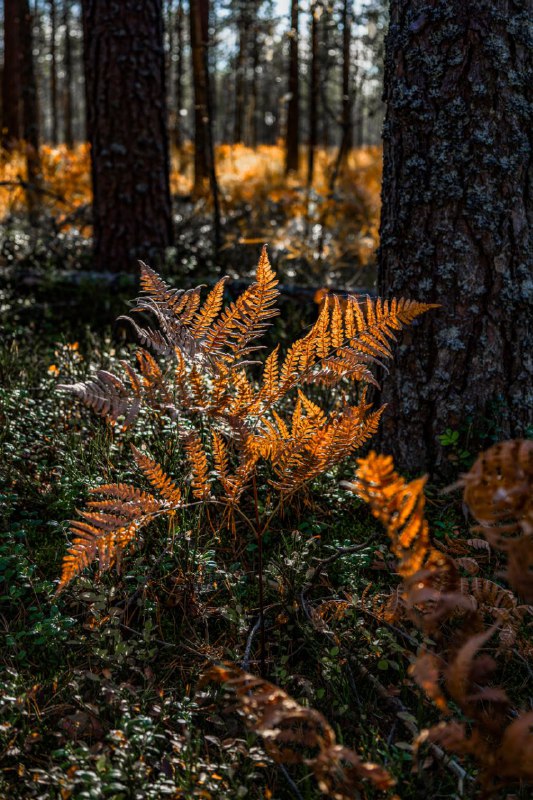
(259,533)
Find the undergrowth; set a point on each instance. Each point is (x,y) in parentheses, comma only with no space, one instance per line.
(100,694)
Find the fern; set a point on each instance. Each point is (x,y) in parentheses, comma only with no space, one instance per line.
(193,367)
(464,614)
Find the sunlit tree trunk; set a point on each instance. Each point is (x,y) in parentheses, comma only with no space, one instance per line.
(11,87)
(293,113)
(127,124)
(456,224)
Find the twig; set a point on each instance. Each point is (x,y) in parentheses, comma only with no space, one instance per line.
(245,663)
(32,187)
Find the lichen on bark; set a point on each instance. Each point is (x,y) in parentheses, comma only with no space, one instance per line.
(456,223)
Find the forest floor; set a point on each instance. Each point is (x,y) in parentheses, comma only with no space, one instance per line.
(100,695)
(325,235)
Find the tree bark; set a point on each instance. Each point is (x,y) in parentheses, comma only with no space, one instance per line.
(11,87)
(293,112)
(313,95)
(199,23)
(240,73)
(127,125)
(178,76)
(204,151)
(53,74)
(457,222)
(30,108)
(67,85)
(347,125)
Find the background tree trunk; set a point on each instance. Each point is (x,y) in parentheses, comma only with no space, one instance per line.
(53,74)
(127,124)
(178,77)
(457,220)
(30,109)
(293,112)
(243,24)
(347,124)
(313,95)
(11,88)
(67,84)
(199,23)
(204,150)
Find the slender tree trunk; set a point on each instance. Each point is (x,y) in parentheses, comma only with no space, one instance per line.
(253,105)
(313,95)
(347,126)
(30,109)
(127,124)
(293,113)
(457,223)
(204,151)
(178,77)
(11,85)
(325,127)
(199,20)
(240,74)
(67,85)
(53,74)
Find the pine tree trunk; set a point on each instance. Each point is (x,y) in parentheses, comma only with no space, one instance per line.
(178,77)
(199,22)
(67,85)
(457,223)
(11,87)
(30,109)
(347,125)
(204,151)
(313,96)
(240,75)
(293,113)
(53,74)
(127,125)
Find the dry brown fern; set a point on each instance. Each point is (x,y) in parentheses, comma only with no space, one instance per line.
(498,490)
(455,611)
(295,734)
(192,367)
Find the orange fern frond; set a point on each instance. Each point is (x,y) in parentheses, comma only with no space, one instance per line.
(398,505)
(247,318)
(154,473)
(210,310)
(199,466)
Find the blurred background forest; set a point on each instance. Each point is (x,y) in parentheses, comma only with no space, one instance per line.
(265,126)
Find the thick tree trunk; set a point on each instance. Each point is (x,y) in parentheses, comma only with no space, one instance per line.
(11,87)
(457,222)
(67,84)
(293,113)
(127,124)
(313,95)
